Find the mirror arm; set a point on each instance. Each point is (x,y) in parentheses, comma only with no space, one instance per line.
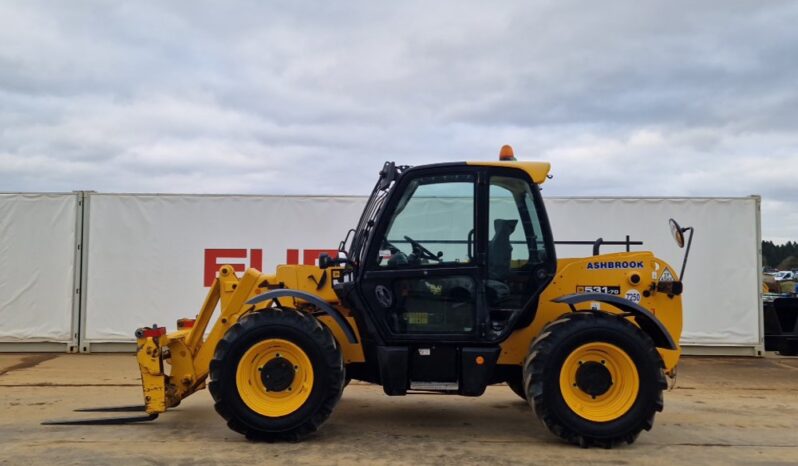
(342,244)
(687,251)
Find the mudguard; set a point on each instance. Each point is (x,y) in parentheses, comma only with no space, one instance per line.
(321,304)
(647,321)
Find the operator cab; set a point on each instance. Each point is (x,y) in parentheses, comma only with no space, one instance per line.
(453,251)
(448,257)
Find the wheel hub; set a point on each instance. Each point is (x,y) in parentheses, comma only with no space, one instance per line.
(277,374)
(593,378)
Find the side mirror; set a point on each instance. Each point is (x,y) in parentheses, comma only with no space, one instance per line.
(325,260)
(678,235)
(677,232)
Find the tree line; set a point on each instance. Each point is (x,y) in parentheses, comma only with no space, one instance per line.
(780,256)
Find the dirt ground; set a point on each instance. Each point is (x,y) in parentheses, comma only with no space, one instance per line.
(722,411)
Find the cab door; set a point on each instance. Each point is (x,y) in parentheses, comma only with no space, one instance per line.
(424,272)
(520,252)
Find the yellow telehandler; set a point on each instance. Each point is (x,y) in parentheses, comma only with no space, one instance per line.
(449,283)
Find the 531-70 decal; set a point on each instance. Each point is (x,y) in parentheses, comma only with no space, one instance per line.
(616,290)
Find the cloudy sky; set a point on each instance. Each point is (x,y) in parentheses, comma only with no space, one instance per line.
(677,98)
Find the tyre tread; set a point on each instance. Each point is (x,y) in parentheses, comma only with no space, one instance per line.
(288,318)
(542,348)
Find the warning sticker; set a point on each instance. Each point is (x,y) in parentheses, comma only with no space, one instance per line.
(615,290)
(633,296)
(666,276)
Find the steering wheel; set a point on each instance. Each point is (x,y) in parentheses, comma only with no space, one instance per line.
(425,253)
(388,245)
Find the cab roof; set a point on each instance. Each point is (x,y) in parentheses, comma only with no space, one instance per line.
(538,171)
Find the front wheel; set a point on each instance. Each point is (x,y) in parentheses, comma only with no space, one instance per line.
(594,379)
(276,375)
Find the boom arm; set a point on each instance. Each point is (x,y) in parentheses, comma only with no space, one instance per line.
(186,350)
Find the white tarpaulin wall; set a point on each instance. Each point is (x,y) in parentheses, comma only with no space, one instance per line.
(148,255)
(722,281)
(37,253)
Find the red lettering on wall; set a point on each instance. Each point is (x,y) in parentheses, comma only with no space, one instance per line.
(215,258)
(256,259)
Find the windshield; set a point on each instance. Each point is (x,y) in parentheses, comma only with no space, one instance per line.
(384,185)
(432,224)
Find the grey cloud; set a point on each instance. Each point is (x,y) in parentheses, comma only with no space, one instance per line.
(624,98)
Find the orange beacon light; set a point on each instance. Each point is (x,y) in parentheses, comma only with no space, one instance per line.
(506,154)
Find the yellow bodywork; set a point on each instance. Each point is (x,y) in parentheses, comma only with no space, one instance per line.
(575,274)
(537,171)
(189,351)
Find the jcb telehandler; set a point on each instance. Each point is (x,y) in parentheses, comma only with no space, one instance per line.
(448,284)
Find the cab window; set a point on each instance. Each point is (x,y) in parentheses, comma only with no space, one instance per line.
(432,224)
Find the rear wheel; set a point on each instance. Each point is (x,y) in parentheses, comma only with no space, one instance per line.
(276,375)
(594,379)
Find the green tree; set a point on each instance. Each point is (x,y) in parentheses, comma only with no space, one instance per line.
(781,256)
(789,263)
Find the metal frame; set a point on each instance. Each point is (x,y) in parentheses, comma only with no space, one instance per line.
(760,346)
(77,281)
(84,345)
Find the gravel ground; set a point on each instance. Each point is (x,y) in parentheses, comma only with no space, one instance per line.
(722,411)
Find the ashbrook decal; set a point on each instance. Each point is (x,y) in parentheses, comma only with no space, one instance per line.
(615,265)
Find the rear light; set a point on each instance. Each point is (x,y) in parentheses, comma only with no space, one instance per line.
(183,324)
(151,332)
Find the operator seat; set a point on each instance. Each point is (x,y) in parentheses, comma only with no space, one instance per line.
(500,250)
(499,257)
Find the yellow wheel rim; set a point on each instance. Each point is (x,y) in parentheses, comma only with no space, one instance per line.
(250,381)
(614,400)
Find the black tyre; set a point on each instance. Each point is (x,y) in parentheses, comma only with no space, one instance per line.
(276,375)
(594,379)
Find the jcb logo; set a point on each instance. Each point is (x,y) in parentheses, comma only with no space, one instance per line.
(240,259)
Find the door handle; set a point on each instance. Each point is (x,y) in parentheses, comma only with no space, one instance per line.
(470,243)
